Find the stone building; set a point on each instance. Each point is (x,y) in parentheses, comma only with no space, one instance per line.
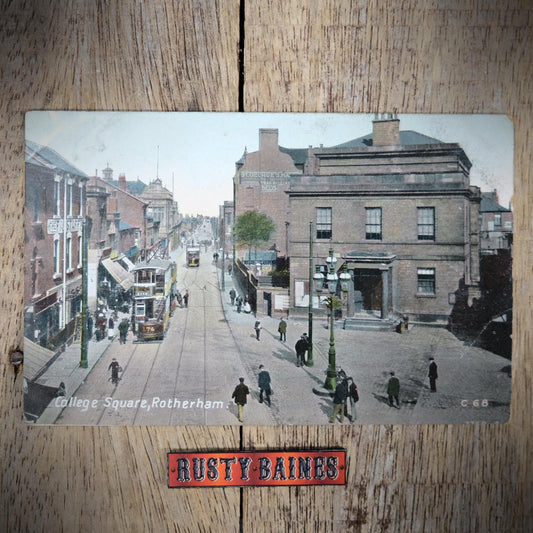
(226,220)
(496,224)
(400,214)
(261,181)
(54,213)
(163,209)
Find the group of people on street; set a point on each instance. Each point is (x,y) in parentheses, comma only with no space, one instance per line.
(344,399)
(241,302)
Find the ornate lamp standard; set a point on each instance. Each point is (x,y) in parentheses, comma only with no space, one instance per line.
(332,303)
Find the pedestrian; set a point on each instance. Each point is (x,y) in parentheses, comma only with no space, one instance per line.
(353,398)
(239,304)
(90,324)
(393,390)
(179,297)
(257,327)
(263,382)
(123,328)
(232,295)
(111,329)
(339,398)
(433,375)
(239,394)
(186,298)
(282,329)
(301,347)
(115,369)
(133,323)
(102,326)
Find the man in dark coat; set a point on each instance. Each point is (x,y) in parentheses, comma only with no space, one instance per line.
(301,347)
(114,367)
(339,398)
(282,330)
(123,328)
(239,394)
(393,390)
(263,382)
(433,375)
(232,295)
(186,298)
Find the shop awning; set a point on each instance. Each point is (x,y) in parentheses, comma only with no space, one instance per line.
(36,357)
(119,274)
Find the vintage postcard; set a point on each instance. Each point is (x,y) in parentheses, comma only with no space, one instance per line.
(267,269)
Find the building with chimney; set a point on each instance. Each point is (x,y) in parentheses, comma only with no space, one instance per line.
(162,209)
(400,214)
(261,181)
(54,212)
(496,224)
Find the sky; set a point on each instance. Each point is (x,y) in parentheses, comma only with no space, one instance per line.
(194,154)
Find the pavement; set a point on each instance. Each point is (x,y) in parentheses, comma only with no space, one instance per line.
(474,385)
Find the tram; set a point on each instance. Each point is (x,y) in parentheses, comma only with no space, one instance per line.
(193,256)
(154,288)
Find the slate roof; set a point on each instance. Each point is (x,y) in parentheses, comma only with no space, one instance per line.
(50,156)
(133,187)
(488,205)
(407,138)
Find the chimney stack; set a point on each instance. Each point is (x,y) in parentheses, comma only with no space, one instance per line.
(268,139)
(122,181)
(386,130)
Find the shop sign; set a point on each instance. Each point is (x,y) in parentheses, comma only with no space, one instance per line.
(256,469)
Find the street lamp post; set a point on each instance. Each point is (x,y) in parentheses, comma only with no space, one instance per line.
(332,303)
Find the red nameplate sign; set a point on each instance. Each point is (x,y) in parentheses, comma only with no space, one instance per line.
(256,469)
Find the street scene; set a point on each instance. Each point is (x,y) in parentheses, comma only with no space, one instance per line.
(272,311)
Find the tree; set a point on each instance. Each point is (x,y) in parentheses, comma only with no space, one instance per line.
(252,229)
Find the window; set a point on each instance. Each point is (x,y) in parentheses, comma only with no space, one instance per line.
(497,220)
(69,199)
(56,255)
(69,253)
(426,280)
(323,223)
(57,197)
(80,251)
(426,223)
(373,223)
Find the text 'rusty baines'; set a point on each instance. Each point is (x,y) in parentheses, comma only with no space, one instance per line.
(270,468)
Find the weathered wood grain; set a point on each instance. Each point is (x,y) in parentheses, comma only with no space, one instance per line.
(349,56)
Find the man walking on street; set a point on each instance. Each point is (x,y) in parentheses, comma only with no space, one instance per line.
(232,295)
(433,375)
(257,328)
(301,347)
(115,368)
(339,398)
(186,298)
(282,329)
(393,390)
(123,328)
(263,382)
(239,394)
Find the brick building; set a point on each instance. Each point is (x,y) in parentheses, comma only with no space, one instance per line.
(54,213)
(121,222)
(261,181)
(398,209)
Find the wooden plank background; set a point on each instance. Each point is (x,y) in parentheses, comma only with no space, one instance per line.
(343,56)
